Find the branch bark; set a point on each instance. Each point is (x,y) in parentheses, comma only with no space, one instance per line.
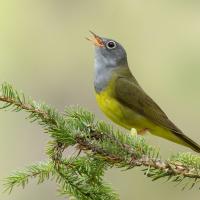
(167,167)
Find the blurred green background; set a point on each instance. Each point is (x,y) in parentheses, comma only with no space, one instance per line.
(44,53)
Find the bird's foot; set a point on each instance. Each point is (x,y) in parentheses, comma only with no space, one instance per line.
(143,131)
(134,132)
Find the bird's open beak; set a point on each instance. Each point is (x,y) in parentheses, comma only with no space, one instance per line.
(96,40)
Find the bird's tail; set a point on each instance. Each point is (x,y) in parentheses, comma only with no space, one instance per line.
(178,137)
(186,141)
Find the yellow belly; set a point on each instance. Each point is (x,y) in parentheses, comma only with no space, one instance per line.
(128,118)
(119,113)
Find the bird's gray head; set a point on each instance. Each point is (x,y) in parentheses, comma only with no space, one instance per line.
(109,55)
(108,52)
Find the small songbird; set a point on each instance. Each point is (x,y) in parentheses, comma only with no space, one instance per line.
(123,100)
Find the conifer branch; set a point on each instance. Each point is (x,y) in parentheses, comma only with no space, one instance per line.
(81,176)
(41,171)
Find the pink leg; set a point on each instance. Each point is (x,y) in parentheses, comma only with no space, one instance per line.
(143,131)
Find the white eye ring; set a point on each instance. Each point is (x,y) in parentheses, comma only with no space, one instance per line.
(111,44)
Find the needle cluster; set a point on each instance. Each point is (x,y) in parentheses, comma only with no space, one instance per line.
(99,147)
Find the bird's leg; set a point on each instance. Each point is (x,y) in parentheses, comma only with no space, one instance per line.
(143,131)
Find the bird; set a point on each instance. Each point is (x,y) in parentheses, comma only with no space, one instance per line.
(124,101)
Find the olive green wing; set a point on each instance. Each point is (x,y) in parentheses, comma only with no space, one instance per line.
(132,95)
(129,93)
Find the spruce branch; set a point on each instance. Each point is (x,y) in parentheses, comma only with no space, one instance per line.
(81,176)
(42,171)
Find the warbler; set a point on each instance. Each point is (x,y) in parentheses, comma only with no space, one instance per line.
(123,100)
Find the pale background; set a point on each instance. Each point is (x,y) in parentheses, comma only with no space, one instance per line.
(44,53)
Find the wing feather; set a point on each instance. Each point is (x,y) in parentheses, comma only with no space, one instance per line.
(129,93)
(133,96)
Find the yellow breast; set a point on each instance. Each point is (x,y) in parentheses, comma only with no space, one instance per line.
(117,112)
(111,107)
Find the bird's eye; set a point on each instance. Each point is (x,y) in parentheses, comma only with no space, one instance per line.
(111,45)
